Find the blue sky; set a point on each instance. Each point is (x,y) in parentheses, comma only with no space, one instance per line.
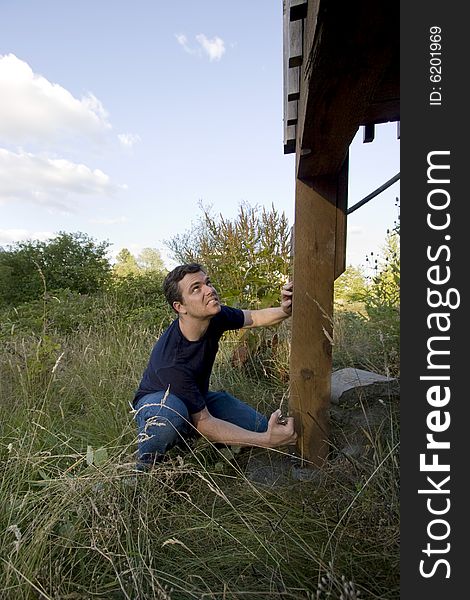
(118,118)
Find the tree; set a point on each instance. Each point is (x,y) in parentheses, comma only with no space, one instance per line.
(77,262)
(126,264)
(384,290)
(150,260)
(248,258)
(71,261)
(20,279)
(350,286)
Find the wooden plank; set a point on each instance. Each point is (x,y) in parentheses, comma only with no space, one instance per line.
(348,78)
(341,219)
(292,112)
(293,83)
(289,129)
(369,133)
(298,9)
(295,43)
(312,315)
(381,112)
(289,138)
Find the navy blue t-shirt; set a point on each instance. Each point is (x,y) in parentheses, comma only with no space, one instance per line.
(186,366)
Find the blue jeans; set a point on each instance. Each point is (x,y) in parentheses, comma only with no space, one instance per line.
(161,425)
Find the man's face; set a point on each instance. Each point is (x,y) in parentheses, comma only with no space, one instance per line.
(199,298)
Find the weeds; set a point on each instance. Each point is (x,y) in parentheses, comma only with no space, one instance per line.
(77,521)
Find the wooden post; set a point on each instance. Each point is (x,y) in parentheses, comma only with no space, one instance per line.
(316,218)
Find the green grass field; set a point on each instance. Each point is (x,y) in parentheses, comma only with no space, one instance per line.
(76,523)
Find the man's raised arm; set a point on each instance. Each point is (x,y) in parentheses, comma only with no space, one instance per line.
(265,317)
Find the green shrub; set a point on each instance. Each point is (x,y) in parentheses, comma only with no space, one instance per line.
(72,261)
(248,258)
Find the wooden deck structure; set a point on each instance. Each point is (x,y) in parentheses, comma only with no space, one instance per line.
(341,72)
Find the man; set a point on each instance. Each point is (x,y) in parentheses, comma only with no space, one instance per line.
(173,397)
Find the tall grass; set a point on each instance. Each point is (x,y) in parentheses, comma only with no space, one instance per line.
(77,522)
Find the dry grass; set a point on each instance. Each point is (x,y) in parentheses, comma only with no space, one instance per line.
(76,522)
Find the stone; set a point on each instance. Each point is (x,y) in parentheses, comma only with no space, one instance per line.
(349,385)
(362,404)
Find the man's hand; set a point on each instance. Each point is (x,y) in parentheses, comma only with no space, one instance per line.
(279,434)
(287,293)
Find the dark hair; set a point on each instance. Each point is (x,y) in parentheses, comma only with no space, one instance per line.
(171,282)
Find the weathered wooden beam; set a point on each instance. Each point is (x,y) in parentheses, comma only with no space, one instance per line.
(293,83)
(295,43)
(348,78)
(297,9)
(291,87)
(292,112)
(312,315)
(289,138)
(341,218)
(369,133)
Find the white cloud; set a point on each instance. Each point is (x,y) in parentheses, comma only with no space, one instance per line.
(181,38)
(214,48)
(10,236)
(35,115)
(47,181)
(129,139)
(183,42)
(33,108)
